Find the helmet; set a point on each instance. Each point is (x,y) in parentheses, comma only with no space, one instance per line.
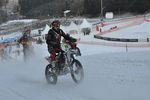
(56,24)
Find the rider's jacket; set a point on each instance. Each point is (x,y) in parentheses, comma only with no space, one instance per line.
(54,36)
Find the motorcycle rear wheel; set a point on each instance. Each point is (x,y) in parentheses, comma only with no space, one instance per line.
(77,72)
(50,76)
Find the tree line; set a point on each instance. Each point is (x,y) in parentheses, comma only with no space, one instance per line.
(116,6)
(93,8)
(34,8)
(37,8)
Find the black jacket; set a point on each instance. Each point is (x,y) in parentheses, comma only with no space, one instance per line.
(54,36)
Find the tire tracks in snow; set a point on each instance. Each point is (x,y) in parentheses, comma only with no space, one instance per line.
(18,94)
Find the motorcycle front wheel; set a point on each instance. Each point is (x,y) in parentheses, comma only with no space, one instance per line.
(51,77)
(77,73)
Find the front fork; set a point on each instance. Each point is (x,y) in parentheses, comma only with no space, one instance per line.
(69,62)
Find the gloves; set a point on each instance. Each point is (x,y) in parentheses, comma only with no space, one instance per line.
(71,39)
(74,40)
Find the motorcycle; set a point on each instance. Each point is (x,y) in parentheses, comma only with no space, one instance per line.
(65,62)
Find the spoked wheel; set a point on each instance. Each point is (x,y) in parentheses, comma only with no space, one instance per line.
(77,71)
(51,77)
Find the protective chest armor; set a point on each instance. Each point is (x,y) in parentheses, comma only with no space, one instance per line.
(57,35)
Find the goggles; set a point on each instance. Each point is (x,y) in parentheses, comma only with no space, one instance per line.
(56,25)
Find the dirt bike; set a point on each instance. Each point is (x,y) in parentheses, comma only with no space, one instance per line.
(65,62)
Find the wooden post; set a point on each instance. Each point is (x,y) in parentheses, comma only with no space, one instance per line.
(126,48)
(147,39)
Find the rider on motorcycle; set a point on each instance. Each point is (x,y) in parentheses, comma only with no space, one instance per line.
(54,38)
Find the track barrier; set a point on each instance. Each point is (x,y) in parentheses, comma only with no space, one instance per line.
(125,45)
(138,22)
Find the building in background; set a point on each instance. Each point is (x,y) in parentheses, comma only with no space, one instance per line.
(10,6)
(9,9)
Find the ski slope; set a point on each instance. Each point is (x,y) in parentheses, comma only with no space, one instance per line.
(111,73)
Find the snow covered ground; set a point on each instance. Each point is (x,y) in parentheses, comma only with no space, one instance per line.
(17,21)
(137,31)
(111,73)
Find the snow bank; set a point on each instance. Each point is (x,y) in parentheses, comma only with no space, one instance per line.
(23,20)
(19,21)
